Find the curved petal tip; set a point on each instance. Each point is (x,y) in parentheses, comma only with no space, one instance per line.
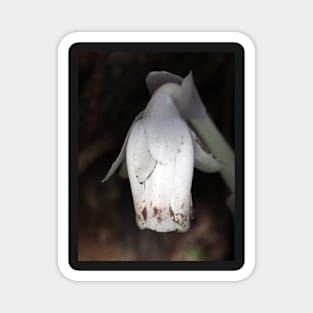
(191,106)
(156,79)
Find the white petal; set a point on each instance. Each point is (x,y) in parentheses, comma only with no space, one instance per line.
(203,160)
(165,130)
(167,195)
(123,170)
(181,196)
(156,79)
(142,163)
(121,157)
(160,169)
(191,105)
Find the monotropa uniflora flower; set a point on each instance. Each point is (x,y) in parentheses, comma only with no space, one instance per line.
(159,154)
(191,108)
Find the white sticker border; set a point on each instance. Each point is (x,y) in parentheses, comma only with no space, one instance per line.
(63,157)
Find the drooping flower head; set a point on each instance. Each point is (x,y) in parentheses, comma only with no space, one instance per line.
(161,151)
(191,108)
(160,160)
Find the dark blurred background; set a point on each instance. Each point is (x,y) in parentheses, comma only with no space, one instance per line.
(112,92)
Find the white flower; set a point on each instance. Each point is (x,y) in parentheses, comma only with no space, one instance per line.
(160,151)
(190,106)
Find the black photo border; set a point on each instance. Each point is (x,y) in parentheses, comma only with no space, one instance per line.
(73,85)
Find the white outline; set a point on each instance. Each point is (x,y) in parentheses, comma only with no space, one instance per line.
(63,140)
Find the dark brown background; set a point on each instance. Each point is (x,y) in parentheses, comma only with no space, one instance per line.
(112,92)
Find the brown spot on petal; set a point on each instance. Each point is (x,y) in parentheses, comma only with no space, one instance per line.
(172,215)
(180,218)
(144,213)
(156,211)
(157,214)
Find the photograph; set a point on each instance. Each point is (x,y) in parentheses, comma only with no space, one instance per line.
(152,133)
